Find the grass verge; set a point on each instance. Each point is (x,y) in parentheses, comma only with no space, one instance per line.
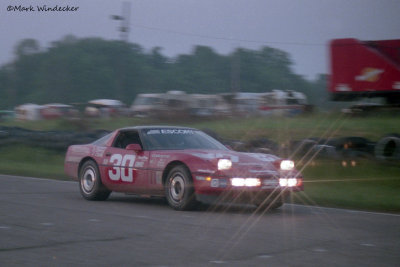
(32,161)
(367,186)
(279,129)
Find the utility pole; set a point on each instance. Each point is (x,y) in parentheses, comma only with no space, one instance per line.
(125,21)
(235,71)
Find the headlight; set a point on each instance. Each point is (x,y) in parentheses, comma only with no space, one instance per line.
(249,182)
(224,164)
(287,165)
(289,182)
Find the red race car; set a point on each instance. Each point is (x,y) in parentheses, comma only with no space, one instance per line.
(182,164)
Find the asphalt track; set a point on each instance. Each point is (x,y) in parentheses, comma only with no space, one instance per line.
(47,223)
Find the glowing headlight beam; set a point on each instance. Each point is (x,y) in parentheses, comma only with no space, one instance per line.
(287,165)
(224,164)
(248,182)
(252,182)
(237,182)
(287,182)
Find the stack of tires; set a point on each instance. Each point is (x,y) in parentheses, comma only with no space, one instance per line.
(388,148)
(57,140)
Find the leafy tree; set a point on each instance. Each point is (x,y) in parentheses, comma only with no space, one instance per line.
(76,70)
(26,47)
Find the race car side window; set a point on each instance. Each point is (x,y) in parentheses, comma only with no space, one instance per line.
(126,138)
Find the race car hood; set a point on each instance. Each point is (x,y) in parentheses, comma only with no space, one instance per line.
(250,163)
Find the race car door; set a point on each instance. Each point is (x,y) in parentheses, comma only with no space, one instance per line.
(125,170)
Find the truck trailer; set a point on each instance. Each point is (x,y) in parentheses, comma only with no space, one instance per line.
(365,69)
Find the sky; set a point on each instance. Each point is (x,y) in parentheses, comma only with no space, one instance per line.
(302,28)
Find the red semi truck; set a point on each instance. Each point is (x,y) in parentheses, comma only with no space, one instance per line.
(365,69)
(362,69)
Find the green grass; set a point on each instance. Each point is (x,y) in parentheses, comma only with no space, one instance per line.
(279,129)
(32,162)
(282,129)
(367,186)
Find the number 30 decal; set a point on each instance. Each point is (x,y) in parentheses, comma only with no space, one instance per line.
(123,167)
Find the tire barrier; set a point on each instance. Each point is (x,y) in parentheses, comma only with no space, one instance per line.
(311,148)
(334,148)
(388,148)
(353,147)
(262,145)
(302,148)
(57,140)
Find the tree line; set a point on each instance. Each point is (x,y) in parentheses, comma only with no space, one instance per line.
(76,70)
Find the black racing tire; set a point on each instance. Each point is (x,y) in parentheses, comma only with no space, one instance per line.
(179,189)
(388,148)
(90,184)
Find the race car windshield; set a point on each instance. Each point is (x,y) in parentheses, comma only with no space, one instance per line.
(177,139)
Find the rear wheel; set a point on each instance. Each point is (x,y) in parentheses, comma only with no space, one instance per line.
(90,184)
(179,189)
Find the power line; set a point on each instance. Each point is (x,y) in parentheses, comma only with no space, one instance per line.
(223,38)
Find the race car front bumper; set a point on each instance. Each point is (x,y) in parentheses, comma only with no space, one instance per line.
(213,185)
(245,197)
(245,190)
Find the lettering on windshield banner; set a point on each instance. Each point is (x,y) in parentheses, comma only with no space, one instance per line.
(170,131)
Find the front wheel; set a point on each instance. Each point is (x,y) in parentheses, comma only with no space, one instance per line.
(179,189)
(90,184)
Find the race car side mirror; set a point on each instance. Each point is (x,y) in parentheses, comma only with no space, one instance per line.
(134,147)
